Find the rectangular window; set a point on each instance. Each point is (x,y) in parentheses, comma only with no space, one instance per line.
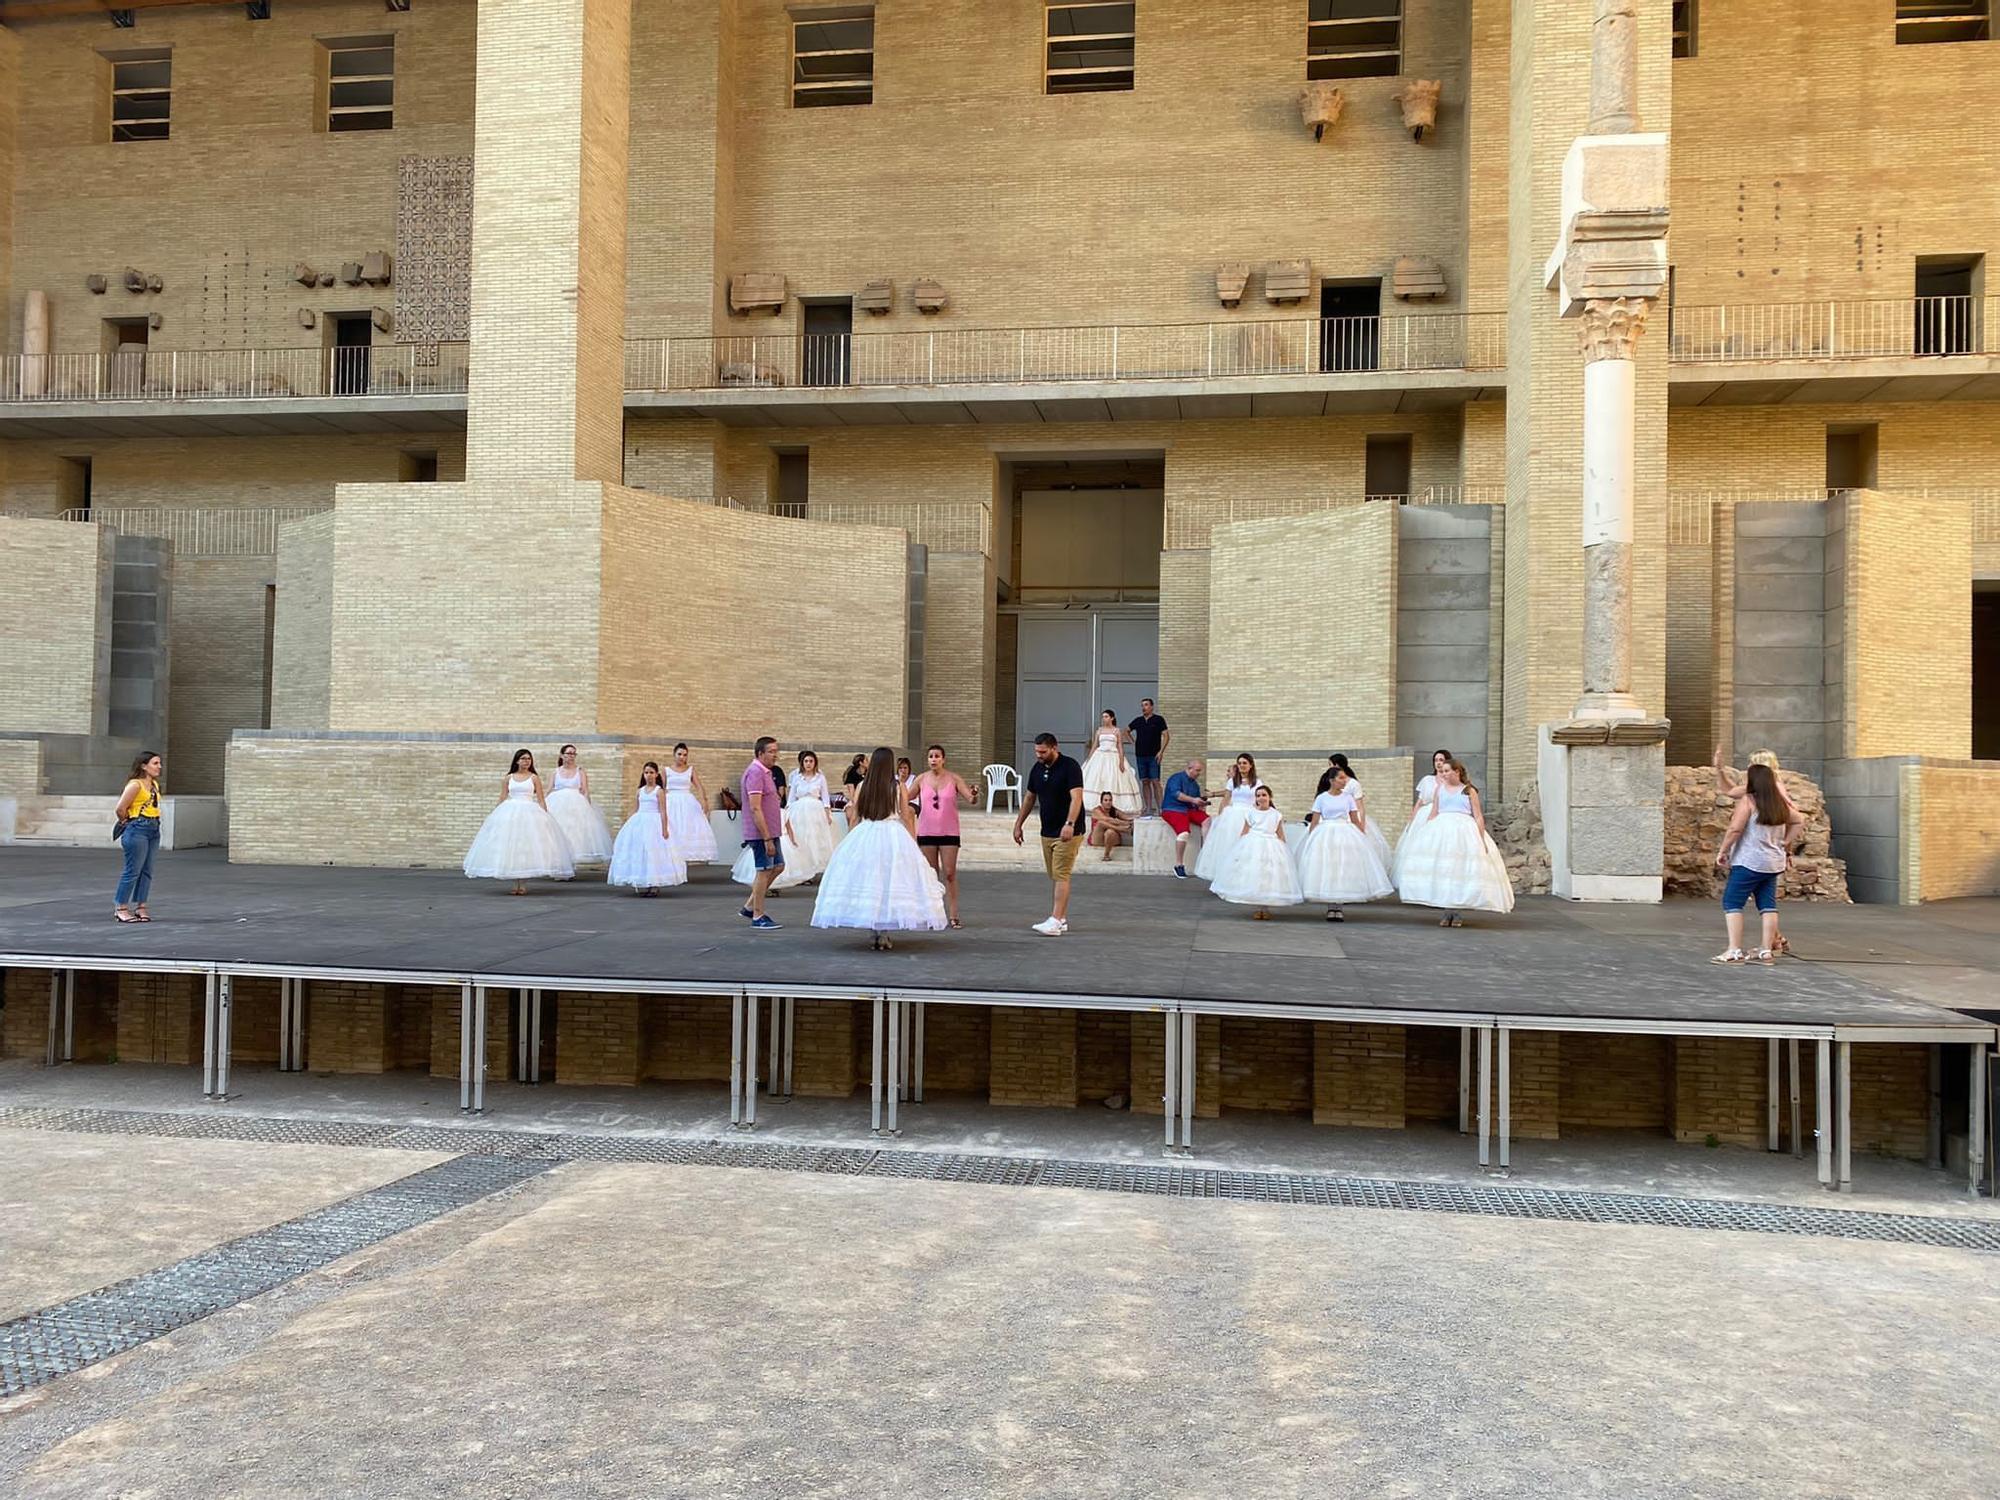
(1684,19)
(1090,48)
(1943,21)
(142,91)
(833,60)
(361,83)
(1354,38)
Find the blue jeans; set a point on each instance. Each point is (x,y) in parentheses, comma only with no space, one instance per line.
(1745,883)
(772,858)
(141,841)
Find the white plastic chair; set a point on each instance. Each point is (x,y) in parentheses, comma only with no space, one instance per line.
(1002,781)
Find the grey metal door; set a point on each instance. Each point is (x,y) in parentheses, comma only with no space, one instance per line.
(1075,662)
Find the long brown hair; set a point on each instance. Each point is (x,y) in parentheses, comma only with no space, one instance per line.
(877,798)
(1248,777)
(1459,766)
(1773,811)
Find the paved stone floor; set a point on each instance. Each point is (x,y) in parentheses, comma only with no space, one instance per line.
(643,1330)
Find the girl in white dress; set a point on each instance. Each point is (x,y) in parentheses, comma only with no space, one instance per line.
(687,811)
(806,811)
(569,804)
(796,870)
(1370,829)
(1107,769)
(643,856)
(520,841)
(1426,789)
(1336,861)
(1259,872)
(1447,859)
(879,879)
(1227,826)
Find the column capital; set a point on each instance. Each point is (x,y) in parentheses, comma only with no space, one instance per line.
(1610,326)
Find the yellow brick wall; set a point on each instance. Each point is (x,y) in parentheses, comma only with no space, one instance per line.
(55,632)
(1908,648)
(20,768)
(302,637)
(1781,450)
(216,674)
(683,146)
(10,117)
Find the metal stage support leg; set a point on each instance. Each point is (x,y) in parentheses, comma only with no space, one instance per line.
(298,1026)
(736,1059)
(751,1005)
(895,1068)
(1486,1096)
(1170,1093)
(479,1050)
(534,1036)
(1771,1086)
(774,1047)
(1798,1144)
(1823,1108)
(1843,1132)
(1189,1051)
(284,1026)
(69,1016)
(1934,1118)
(465,1049)
(224,1028)
(1506,1101)
(212,993)
(1465,1080)
(875,1069)
(62,1016)
(917,1054)
(521,1035)
(1975,1122)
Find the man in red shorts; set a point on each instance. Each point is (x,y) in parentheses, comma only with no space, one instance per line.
(1183,807)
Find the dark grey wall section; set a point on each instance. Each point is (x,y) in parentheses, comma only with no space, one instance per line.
(1781,654)
(1862,803)
(1444,589)
(141,600)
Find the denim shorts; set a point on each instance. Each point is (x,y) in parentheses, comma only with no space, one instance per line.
(1745,883)
(1149,767)
(767,854)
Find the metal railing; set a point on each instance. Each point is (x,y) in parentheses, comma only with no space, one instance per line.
(235,374)
(956,527)
(1110,352)
(1691,513)
(1906,327)
(249,531)
(1189,523)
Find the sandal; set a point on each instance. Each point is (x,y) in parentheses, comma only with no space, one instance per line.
(956,923)
(1764,956)
(140,915)
(1732,956)
(123,916)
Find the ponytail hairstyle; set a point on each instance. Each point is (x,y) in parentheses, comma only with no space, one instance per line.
(877,798)
(1773,811)
(1337,762)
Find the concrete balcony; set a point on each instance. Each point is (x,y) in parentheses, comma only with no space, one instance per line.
(1902,349)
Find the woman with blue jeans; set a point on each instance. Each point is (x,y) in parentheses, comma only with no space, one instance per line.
(139,819)
(1756,849)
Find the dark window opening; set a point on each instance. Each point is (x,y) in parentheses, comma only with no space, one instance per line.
(419,466)
(1350,325)
(1091,48)
(1354,38)
(350,334)
(73,487)
(794,476)
(827,353)
(142,85)
(1986,670)
(1684,28)
(1850,456)
(1922,21)
(833,60)
(1947,304)
(1386,474)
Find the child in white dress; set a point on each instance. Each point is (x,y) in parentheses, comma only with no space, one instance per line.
(642,856)
(878,878)
(1420,807)
(519,841)
(1259,872)
(569,804)
(687,811)
(1107,769)
(1447,859)
(1337,863)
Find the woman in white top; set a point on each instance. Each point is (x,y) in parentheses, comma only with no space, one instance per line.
(1447,860)
(569,804)
(1227,826)
(1107,769)
(520,841)
(1259,871)
(643,856)
(1756,850)
(687,811)
(1733,791)
(1426,789)
(1336,861)
(806,800)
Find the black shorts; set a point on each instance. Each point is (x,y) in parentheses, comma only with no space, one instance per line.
(937,840)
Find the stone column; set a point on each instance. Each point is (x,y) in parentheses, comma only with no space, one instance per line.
(1610,328)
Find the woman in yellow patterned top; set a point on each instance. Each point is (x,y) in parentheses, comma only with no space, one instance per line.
(139,834)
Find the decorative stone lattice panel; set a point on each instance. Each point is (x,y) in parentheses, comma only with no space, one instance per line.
(433,276)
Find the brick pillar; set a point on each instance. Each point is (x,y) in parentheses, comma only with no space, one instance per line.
(958,1047)
(1611,1081)
(24,1017)
(1359,1075)
(347,1028)
(1103,1055)
(1719,1088)
(823,1048)
(444,1013)
(597,1038)
(1430,1073)
(160,1018)
(1267,1065)
(1534,1079)
(1892,1098)
(1149,1064)
(253,1020)
(1033,1057)
(685,1039)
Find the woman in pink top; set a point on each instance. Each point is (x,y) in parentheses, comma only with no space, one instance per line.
(939,792)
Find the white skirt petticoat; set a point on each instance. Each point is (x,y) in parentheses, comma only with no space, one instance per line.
(1337,863)
(879,880)
(1259,873)
(643,857)
(795,872)
(812,831)
(583,826)
(1446,862)
(1218,837)
(1106,771)
(693,839)
(519,841)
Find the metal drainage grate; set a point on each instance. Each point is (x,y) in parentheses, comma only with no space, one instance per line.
(64,1338)
(1504,1200)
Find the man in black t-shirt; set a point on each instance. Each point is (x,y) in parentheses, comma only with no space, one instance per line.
(1055,786)
(1149,742)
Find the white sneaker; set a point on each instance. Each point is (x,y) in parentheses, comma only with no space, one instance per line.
(1051,927)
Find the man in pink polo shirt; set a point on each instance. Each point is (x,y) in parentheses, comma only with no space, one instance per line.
(763,826)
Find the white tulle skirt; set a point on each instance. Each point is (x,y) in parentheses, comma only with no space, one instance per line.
(1259,873)
(1379,843)
(812,829)
(1107,771)
(583,826)
(643,857)
(1218,838)
(879,880)
(693,839)
(1338,864)
(795,872)
(1446,862)
(519,841)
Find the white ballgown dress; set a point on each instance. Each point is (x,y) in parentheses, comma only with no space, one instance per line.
(687,824)
(796,870)
(642,856)
(1426,790)
(1336,861)
(1259,871)
(1222,831)
(812,824)
(1107,770)
(879,880)
(582,824)
(1445,861)
(519,840)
